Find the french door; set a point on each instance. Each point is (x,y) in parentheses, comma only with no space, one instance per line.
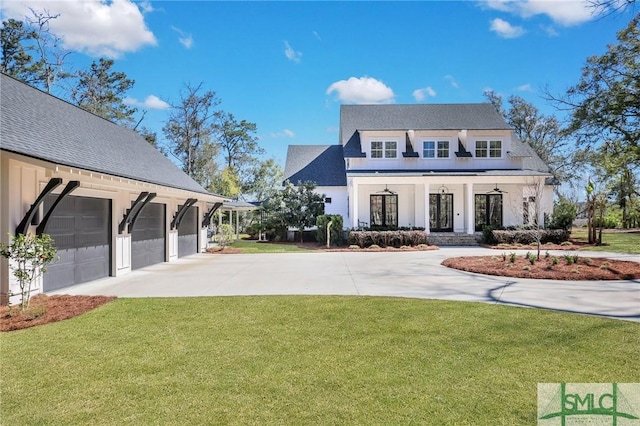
(441,212)
(488,209)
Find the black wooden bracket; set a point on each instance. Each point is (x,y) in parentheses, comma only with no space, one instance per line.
(135,207)
(28,218)
(150,197)
(206,221)
(71,186)
(181,211)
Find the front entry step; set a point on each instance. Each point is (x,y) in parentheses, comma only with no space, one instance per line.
(453,239)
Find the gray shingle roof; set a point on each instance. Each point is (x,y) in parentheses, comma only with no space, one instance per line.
(530,160)
(322,164)
(38,125)
(414,117)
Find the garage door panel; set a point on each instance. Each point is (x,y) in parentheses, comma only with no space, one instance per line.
(92,265)
(148,236)
(81,230)
(62,271)
(187,245)
(188,233)
(147,252)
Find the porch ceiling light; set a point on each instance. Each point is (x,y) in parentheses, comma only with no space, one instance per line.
(443,189)
(386,190)
(497,190)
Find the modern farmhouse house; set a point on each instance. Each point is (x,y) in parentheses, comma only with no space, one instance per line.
(111,201)
(447,168)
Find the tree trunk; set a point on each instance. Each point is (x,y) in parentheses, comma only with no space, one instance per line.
(601,206)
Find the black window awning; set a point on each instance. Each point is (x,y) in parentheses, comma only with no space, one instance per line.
(462,152)
(409,151)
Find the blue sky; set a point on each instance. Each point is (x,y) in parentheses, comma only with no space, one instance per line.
(287,66)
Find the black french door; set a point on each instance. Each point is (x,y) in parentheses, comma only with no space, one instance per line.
(441,212)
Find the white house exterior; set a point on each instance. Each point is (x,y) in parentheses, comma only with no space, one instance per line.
(111,201)
(447,168)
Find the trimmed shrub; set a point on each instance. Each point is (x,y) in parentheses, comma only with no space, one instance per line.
(487,235)
(529,236)
(387,238)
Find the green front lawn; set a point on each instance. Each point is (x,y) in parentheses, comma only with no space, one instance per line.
(259,247)
(612,241)
(305,360)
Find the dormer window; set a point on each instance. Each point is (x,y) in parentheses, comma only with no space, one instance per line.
(384,149)
(435,149)
(491,149)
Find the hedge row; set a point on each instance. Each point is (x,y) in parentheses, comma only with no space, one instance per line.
(529,236)
(387,238)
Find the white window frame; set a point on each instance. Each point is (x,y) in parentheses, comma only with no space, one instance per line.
(436,150)
(492,149)
(492,146)
(439,150)
(385,148)
(432,149)
(485,149)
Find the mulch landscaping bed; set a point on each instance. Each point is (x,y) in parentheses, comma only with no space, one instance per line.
(585,268)
(44,309)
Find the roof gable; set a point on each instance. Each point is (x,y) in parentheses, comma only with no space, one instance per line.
(322,164)
(38,125)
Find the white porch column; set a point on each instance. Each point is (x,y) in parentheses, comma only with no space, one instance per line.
(354,203)
(237,225)
(426,208)
(469,208)
(416,210)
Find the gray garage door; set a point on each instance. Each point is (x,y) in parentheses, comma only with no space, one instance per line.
(148,236)
(81,229)
(188,233)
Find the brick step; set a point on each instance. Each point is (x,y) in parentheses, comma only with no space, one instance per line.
(453,239)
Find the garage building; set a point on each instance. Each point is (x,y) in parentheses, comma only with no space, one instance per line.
(110,200)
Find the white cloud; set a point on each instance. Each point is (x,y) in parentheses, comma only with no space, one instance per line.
(420,94)
(363,90)
(150,102)
(146,7)
(505,29)
(316,35)
(551,32)
(525,88)
(94,27)
(452,81)
(290,53)
(185,39)
(286,133)
(563,12)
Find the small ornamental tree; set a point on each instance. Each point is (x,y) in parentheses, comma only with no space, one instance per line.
(294,206)
(564,214)
(28,257)
(225,235)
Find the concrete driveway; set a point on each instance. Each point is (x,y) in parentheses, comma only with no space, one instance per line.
(397,274)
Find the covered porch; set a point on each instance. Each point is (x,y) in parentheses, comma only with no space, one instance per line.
(446,203)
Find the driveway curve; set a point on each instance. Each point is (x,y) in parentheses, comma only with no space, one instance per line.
(416,274)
